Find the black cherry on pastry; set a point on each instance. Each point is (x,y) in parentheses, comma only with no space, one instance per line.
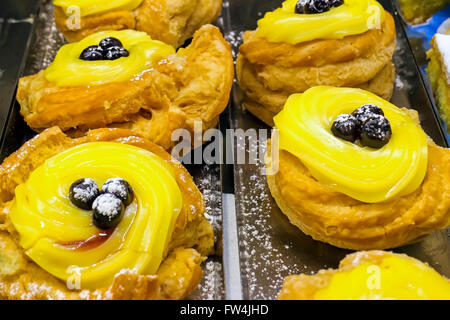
(114,53)
(376,132)
(300,6)
(108,205)
(366,124)
(83,192)
(120,188)
(336,3)
(109,48)
(366,111)
(346,127)
(109,42)
(108,210)
(92,53)
(316,6)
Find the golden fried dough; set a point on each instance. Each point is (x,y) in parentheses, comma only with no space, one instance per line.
(114,20)
(265,103)
(171,21)
(269,73)
(316,53)
(178,91)
(335,218)
(178,275)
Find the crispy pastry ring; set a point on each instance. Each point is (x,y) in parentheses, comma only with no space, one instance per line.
(180,271)
(335,218)
(269,73)
(170,21)
(304,287)
(178,91)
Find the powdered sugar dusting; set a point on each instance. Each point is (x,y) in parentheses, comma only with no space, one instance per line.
(85,190)
(263,254)
(235,38)
(47,42)
(116,186)
(207,179)
(107,204)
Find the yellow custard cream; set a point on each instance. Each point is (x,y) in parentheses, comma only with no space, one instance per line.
(393,278)
(47,221)
(69,70)
(366,174)
(351,18)
(89,7)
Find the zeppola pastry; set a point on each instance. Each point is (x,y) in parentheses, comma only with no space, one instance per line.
(170,21)
(124,79)
(371,275)
(344,43)
(357,172)
(439,73)
(109,215)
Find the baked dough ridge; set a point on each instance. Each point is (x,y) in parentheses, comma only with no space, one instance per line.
(265,103)
(170,21)
(176,92)
(180,271)
(317,53)
(335,218)
(268,73)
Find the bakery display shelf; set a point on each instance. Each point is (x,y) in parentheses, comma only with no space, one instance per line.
(269,248)
(260,247)
(33,43)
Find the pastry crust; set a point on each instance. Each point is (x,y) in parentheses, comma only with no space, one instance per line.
(178,91)
(180,271)
(304,287)
(265,103)
(171,21)
(335,218)
(269,73)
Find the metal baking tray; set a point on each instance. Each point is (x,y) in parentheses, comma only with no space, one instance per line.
(29,41)
(268,247)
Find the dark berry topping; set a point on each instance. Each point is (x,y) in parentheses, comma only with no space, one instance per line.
(109,49)
(366,111)
(108,211)
(317,6)
(376,132)
(120,188)
(114,53)
(336,3)
(345,127)
(109,42)
(300,6)
(83,192)
(92,53)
